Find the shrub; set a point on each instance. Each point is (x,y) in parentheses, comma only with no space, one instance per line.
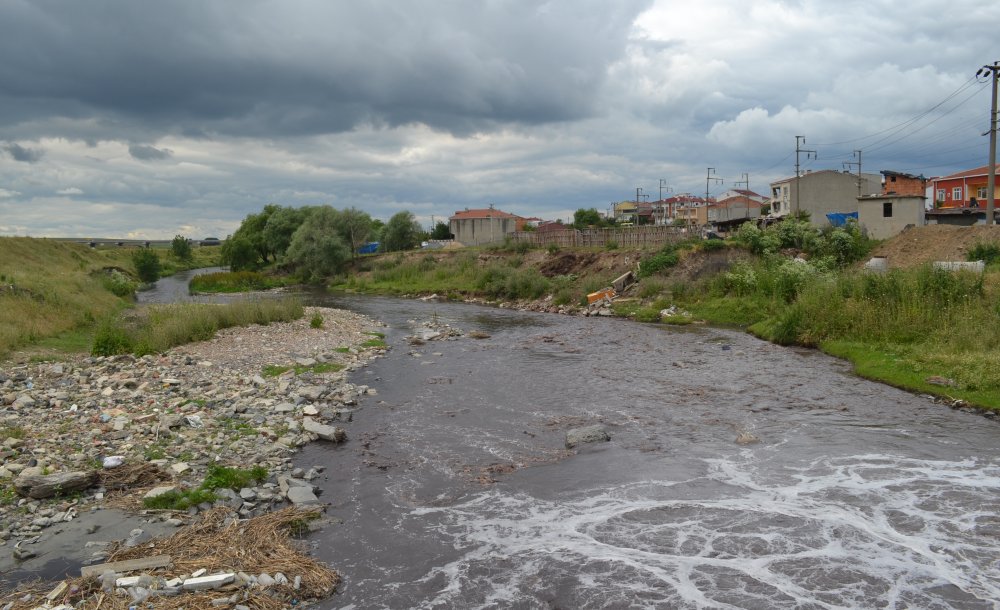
(119,284)
(988,252)
(111,339)
(316,321)
(147,265)
(553,248)
(180,247)
(658,262)
(611,245)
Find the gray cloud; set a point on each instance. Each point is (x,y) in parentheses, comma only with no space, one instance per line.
(20,153)
(310,67)
(144,152)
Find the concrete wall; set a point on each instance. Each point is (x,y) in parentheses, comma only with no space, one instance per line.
(823,192)
(905,211)
(478,231)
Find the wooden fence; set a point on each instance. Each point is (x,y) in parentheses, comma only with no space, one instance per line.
(625,237)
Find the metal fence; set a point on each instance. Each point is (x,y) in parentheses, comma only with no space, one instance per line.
(625,237)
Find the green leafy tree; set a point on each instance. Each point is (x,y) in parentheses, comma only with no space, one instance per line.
(279,227)
(239,254)
(317,250)
(354,226)
(252,232)
(586,218)
(147,265)
(402,232)
(180,247)
(441,231)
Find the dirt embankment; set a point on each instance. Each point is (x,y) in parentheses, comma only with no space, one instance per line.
(920,245)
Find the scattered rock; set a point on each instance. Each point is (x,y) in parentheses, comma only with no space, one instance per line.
(589,434)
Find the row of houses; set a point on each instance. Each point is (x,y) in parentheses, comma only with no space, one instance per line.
(884,204)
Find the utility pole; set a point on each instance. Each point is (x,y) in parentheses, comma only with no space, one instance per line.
(991,188)
(746,183)
(799,140)
(857,155)
(635,215)
(709,178)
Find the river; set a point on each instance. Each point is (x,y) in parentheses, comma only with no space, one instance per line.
(455,489)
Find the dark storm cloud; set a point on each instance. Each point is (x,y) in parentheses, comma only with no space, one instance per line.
(148,153)
(259,68)
(20,153)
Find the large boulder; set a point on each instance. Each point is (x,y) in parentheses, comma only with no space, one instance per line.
(589,434)
(327,433)
(45,486)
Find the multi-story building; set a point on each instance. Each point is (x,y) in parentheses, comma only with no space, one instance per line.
(822,192)
(964,189)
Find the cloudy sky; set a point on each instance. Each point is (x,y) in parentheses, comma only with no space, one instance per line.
(150,119)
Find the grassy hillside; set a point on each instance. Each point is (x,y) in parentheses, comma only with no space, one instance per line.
(56,291)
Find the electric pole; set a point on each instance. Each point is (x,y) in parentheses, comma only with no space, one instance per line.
(799,140)
(746,183)
(709,178)
(994,72)
(857,155)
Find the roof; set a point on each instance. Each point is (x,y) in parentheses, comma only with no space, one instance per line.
(889,172)
(468,214)
(812,173)
(979,171)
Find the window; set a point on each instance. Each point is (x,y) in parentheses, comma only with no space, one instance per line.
(956,194)
(940,195)
(981,192)
(887,209)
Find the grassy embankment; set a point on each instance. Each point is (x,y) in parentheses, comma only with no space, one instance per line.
(55,296)
(924,330)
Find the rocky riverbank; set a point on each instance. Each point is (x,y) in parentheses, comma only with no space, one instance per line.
(82,439)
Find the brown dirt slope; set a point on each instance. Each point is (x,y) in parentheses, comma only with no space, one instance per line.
(920,245)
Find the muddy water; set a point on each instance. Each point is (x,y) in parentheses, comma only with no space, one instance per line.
(455,489)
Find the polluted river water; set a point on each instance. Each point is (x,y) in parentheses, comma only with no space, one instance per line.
(739,474)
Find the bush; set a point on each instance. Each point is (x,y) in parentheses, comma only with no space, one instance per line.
(316,321)
(611,245)
(658,262)
(180,247)
(119,284)
(988,252)
(111,339)
(147,265)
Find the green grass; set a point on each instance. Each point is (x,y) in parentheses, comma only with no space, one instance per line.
(17,432)
(274,370)
(374,343)
(156,329)
(217,477)
(236,281)
(180,500)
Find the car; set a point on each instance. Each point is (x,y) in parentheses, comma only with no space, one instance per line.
(211,241)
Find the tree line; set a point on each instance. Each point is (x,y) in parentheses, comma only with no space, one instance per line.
(315,242)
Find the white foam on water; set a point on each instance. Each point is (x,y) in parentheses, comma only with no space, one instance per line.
(854,532)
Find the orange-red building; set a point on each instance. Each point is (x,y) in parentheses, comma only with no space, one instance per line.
(964,189)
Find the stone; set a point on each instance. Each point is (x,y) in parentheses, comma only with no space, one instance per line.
(159,491)
(283,407)
(325,432)
(301,496)
(180,468)
(265,580)
(47,486)
(589,434)
(305,362)
(212,581)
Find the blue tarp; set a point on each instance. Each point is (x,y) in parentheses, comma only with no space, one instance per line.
(839,219)
(369,248)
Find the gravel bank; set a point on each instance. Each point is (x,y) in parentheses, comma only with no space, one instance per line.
(166,419)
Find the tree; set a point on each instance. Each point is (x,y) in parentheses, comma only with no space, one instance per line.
(279,227)
(147,265)
(239,254)
(441,231)
(251,231)
(354,227)
(317,250)
(586,218)
(401,233)
(180,247)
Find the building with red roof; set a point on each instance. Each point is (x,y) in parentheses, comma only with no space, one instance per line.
(964,189)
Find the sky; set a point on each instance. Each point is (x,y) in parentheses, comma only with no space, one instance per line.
(147,120)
